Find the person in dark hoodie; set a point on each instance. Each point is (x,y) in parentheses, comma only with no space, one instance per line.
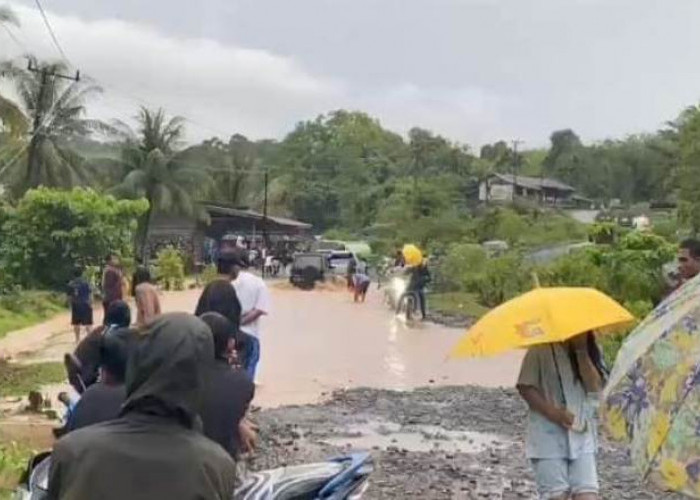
(155,449)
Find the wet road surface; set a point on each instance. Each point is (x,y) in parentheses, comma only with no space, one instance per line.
(319,341)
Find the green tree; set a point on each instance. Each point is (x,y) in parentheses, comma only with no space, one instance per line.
(51,231)
(688,133)
(335,170)
(152,170)
(56,109)
(564,159)
(233,165)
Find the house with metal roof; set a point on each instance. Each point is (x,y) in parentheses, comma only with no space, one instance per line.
(201,237)
(508,187)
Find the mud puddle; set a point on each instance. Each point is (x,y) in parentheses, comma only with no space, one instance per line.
(380,434)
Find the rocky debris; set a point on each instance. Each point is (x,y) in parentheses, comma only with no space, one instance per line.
(298,434)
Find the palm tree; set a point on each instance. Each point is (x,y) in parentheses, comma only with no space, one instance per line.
(55,108)
(13,123)
(153,170)
(230,164)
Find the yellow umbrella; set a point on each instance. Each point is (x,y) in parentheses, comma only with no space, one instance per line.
(412,255)
(542,316)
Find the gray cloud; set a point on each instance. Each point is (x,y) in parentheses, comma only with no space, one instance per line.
(474,70)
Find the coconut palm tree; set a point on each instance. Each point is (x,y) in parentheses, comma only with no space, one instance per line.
(153,170)
(55,108)
(13,123)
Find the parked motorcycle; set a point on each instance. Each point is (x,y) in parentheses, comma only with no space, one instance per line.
(342,478)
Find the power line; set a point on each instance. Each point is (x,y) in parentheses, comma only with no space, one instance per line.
(51,32)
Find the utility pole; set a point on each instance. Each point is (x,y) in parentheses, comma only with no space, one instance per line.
(33,178)
(265,236)
(516,160)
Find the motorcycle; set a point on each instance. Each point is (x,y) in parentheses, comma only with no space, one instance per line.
(398,299)
(342,478)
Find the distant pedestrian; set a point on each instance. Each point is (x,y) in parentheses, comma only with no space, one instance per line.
(350,272)
(112,282)
(146,295)
(254,298)
(80,297)
(361,284)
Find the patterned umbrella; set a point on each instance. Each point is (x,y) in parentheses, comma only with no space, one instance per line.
(652,400)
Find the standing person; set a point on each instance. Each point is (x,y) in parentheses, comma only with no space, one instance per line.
(228,392)
(350,272)
(255,303)
(418,279)
(558,382)
(154,449)
(146,295)
(112,282)
(80,296)
(361,285)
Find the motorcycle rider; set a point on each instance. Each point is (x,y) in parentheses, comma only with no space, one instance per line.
(418,279)
(155,449)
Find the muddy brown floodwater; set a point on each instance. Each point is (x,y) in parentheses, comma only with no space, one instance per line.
(318,341)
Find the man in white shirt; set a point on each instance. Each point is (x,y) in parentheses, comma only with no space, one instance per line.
(255,303)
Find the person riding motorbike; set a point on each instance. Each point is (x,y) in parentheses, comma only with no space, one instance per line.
(155,448)
(418,279)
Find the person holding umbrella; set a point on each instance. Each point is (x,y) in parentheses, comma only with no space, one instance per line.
(556,381)
(561,372)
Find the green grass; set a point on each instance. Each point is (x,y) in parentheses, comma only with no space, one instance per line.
(22,309)
(456,304)
(18,380)
(13,460)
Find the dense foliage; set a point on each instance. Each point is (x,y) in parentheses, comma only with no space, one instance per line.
(170,269)
(629,270)
(49,232)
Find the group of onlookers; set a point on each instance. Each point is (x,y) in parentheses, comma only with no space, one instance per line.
(163,404)
(114,287)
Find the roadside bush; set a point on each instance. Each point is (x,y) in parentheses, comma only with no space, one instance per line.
(502,279)
(603,233)
(460,267)
(51,231)
(170,269)
(668,230)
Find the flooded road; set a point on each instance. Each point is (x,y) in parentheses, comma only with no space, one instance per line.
(316,342)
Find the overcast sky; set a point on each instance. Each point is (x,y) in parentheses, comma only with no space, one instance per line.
(473,70)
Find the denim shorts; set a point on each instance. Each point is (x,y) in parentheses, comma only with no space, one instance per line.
(556,477)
